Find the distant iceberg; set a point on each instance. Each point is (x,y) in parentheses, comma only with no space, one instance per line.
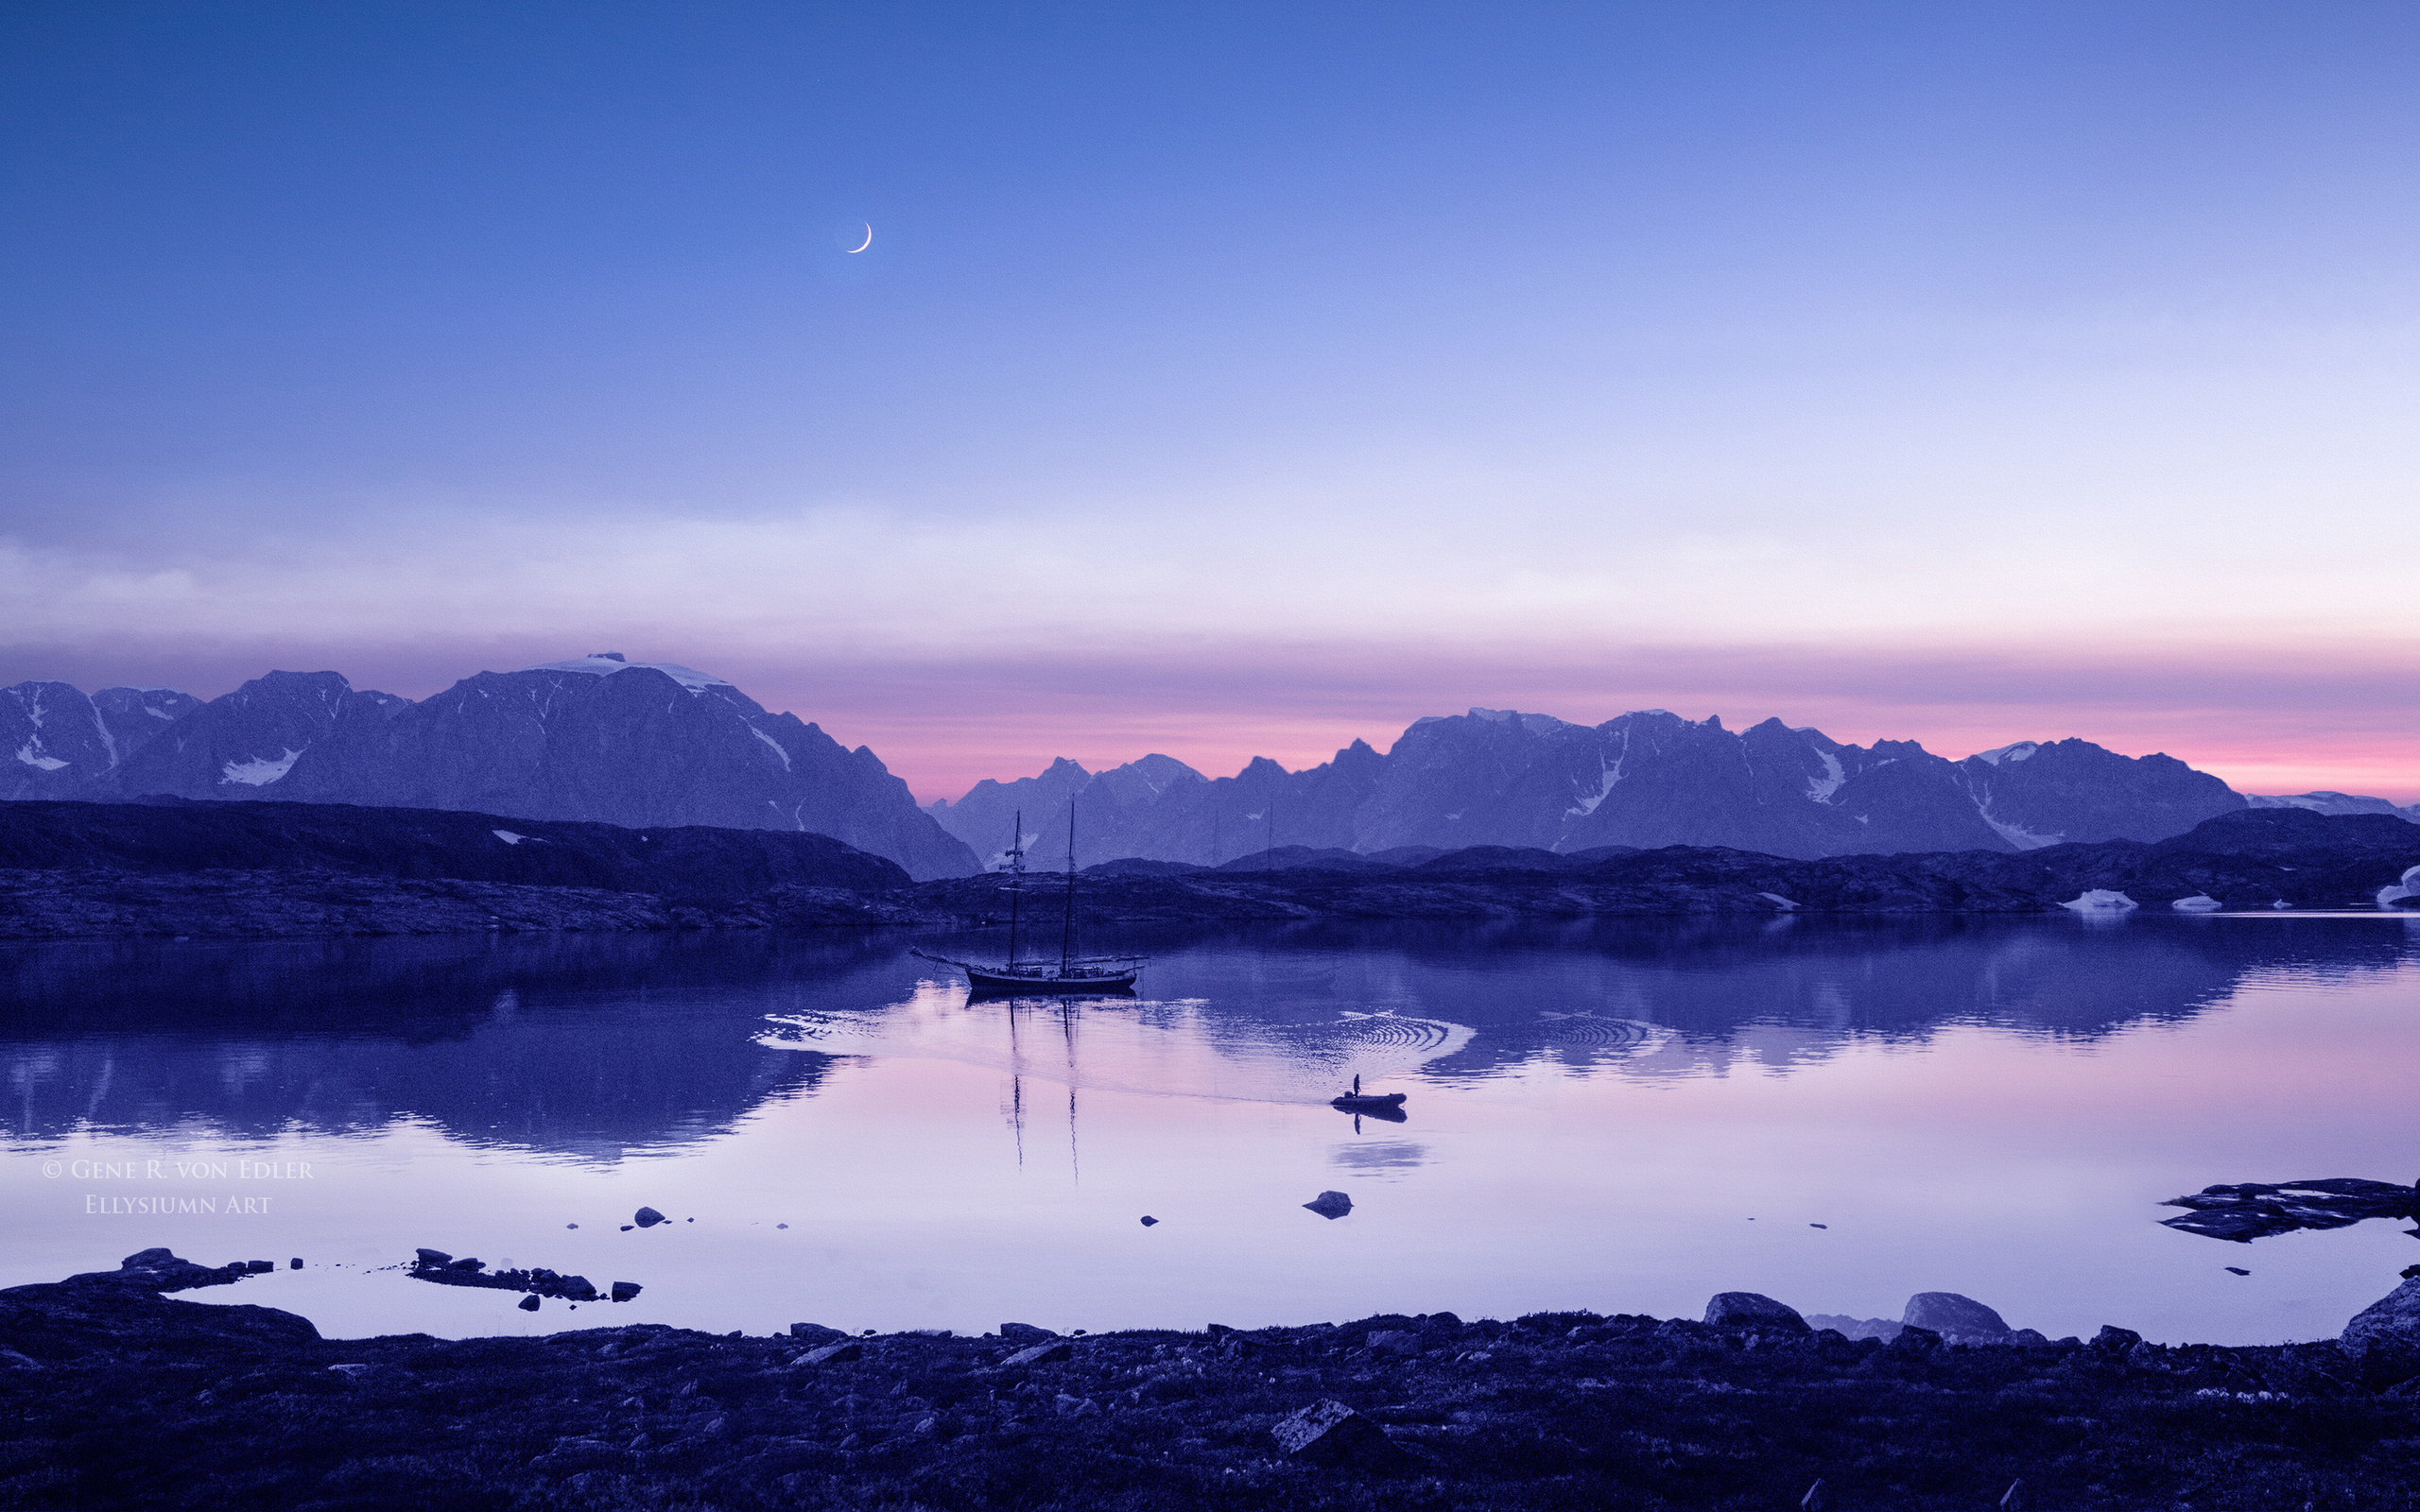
(2101,901)
(2200,903)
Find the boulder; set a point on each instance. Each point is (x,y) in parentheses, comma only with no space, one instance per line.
(1752,1310)
(1039,1354)
(2114,1339)
(1330,1204)
(832,1353)
(1913,1340)
(530,1303)
(815,1331)
(1024,1330)
(1959,1318)
(427,1257)
(649,1218)
(2383,1339)
(1332,1434)
(624,1291)
(1394,1342)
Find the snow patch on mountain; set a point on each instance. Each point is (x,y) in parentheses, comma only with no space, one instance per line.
(605,663)
(2016,834)
(261,770)
(1821,788)
(31,755)
(1534,723)
(775,744)
(2325,801)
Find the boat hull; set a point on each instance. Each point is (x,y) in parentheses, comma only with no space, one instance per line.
(1048,986)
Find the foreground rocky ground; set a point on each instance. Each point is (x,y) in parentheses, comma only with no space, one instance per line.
(115,1397)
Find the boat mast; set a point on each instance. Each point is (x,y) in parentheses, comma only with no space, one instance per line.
(1067,936)
(1016,882)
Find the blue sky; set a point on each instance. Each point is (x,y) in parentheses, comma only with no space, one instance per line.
(1238,378)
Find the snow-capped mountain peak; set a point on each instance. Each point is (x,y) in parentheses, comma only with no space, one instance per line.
(605,663)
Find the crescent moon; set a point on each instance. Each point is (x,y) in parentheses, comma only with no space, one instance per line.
(868,242)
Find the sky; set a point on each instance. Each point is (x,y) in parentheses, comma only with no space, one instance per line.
(1237,379)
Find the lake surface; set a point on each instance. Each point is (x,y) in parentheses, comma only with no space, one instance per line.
(1619,1116)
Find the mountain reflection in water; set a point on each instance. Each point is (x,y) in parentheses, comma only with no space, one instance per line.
(830,1095)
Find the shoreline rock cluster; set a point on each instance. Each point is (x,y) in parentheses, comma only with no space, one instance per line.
(438,1267)
(1747,1408)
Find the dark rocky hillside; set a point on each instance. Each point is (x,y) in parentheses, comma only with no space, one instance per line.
(2246,860)
(213,871)
(684,864)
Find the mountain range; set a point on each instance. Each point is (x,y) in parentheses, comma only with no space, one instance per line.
(656,745)
(1496,777)
(596,738)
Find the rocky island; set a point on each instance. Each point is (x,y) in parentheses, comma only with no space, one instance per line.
(265,869)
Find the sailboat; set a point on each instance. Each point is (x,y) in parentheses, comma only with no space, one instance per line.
(1069,976)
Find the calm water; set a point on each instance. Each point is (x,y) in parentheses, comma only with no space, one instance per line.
(1617,1117)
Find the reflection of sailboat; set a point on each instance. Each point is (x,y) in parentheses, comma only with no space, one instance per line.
(1071,973)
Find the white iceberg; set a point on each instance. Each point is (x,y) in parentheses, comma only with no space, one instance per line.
(2200,903)
(2101,901)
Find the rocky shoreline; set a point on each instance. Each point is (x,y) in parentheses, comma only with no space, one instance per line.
(119,1397)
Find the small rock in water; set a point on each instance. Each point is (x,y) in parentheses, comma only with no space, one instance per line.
(433,1257)
(296,1263)
(624,1291)
(1330,1204)
(647,1218)
(529,1304)
(2237,1271)
(780,1225)
(628,1226)
(571,1225)
(1149,1220)
(1819,1226)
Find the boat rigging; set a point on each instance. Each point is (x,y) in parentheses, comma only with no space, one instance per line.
(1071,974)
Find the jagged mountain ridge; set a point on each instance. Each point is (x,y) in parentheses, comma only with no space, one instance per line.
(63,740)
(1646,778)
(596,738)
